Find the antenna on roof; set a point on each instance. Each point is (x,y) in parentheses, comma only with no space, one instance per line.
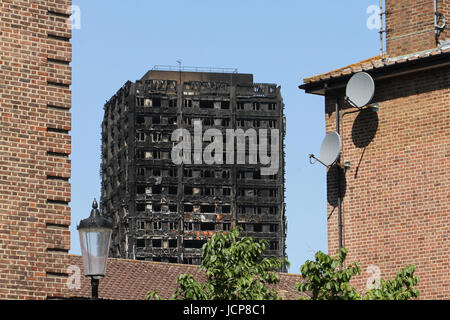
(180,62)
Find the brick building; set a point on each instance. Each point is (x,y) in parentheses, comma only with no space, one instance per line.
(396,196)
(35,120)
(164,211)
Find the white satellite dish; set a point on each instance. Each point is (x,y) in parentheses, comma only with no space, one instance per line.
(360,89)
(331,148)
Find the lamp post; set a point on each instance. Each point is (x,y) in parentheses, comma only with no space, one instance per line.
(95,237)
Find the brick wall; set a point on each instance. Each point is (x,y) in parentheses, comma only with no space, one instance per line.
(35,119)
(410,25)
(396,205)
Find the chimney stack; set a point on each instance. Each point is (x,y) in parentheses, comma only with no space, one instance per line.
(411,28)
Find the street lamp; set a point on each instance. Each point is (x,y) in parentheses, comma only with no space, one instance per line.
(95,237)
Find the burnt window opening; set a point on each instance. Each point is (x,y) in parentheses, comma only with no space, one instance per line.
(226,174)
(156,120)
(141,225)
(272,106)
(208,191)
(156,102)
(274,245)
(153,154)
(208,174)
(156,172)
(206,104)
(173,190)
(140,190)
(140,120)
(226,209)
(207,209)
(140,207)
(156,137)
(157,225)
(173,172)
(172,103)
(173,208)
(187,173)
(140,171)
(257,228)
(188,208)
(157,207)
(140,137)
(225,105)
(194,244)
(188,103)
(208,226)
(173,225)
(156,189)
(226,191)
(173,243)
(140,243)
(188,190)
(156,243)
(240,106)
(273,228)
(208,122)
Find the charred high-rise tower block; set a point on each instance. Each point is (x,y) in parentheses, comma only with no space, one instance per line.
(166,212)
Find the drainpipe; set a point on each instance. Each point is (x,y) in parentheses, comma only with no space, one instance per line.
(437,17)
(339,199)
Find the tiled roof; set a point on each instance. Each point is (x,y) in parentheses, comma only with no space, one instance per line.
(132,279)
(373,63)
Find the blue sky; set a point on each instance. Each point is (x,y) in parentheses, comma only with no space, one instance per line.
(278,42)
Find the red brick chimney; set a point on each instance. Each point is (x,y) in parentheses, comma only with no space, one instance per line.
(410,25)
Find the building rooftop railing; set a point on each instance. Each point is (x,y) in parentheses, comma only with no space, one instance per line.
(194,69)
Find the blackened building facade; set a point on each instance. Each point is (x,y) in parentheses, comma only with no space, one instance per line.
(166,212)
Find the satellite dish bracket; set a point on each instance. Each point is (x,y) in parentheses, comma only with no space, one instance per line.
(374,106)
(312,156)
(345,165)
(351,103)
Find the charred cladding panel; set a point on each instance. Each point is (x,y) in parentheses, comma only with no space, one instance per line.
(183,160)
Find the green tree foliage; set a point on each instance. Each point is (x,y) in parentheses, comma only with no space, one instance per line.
(327,279)
(235,268)
(399,288)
